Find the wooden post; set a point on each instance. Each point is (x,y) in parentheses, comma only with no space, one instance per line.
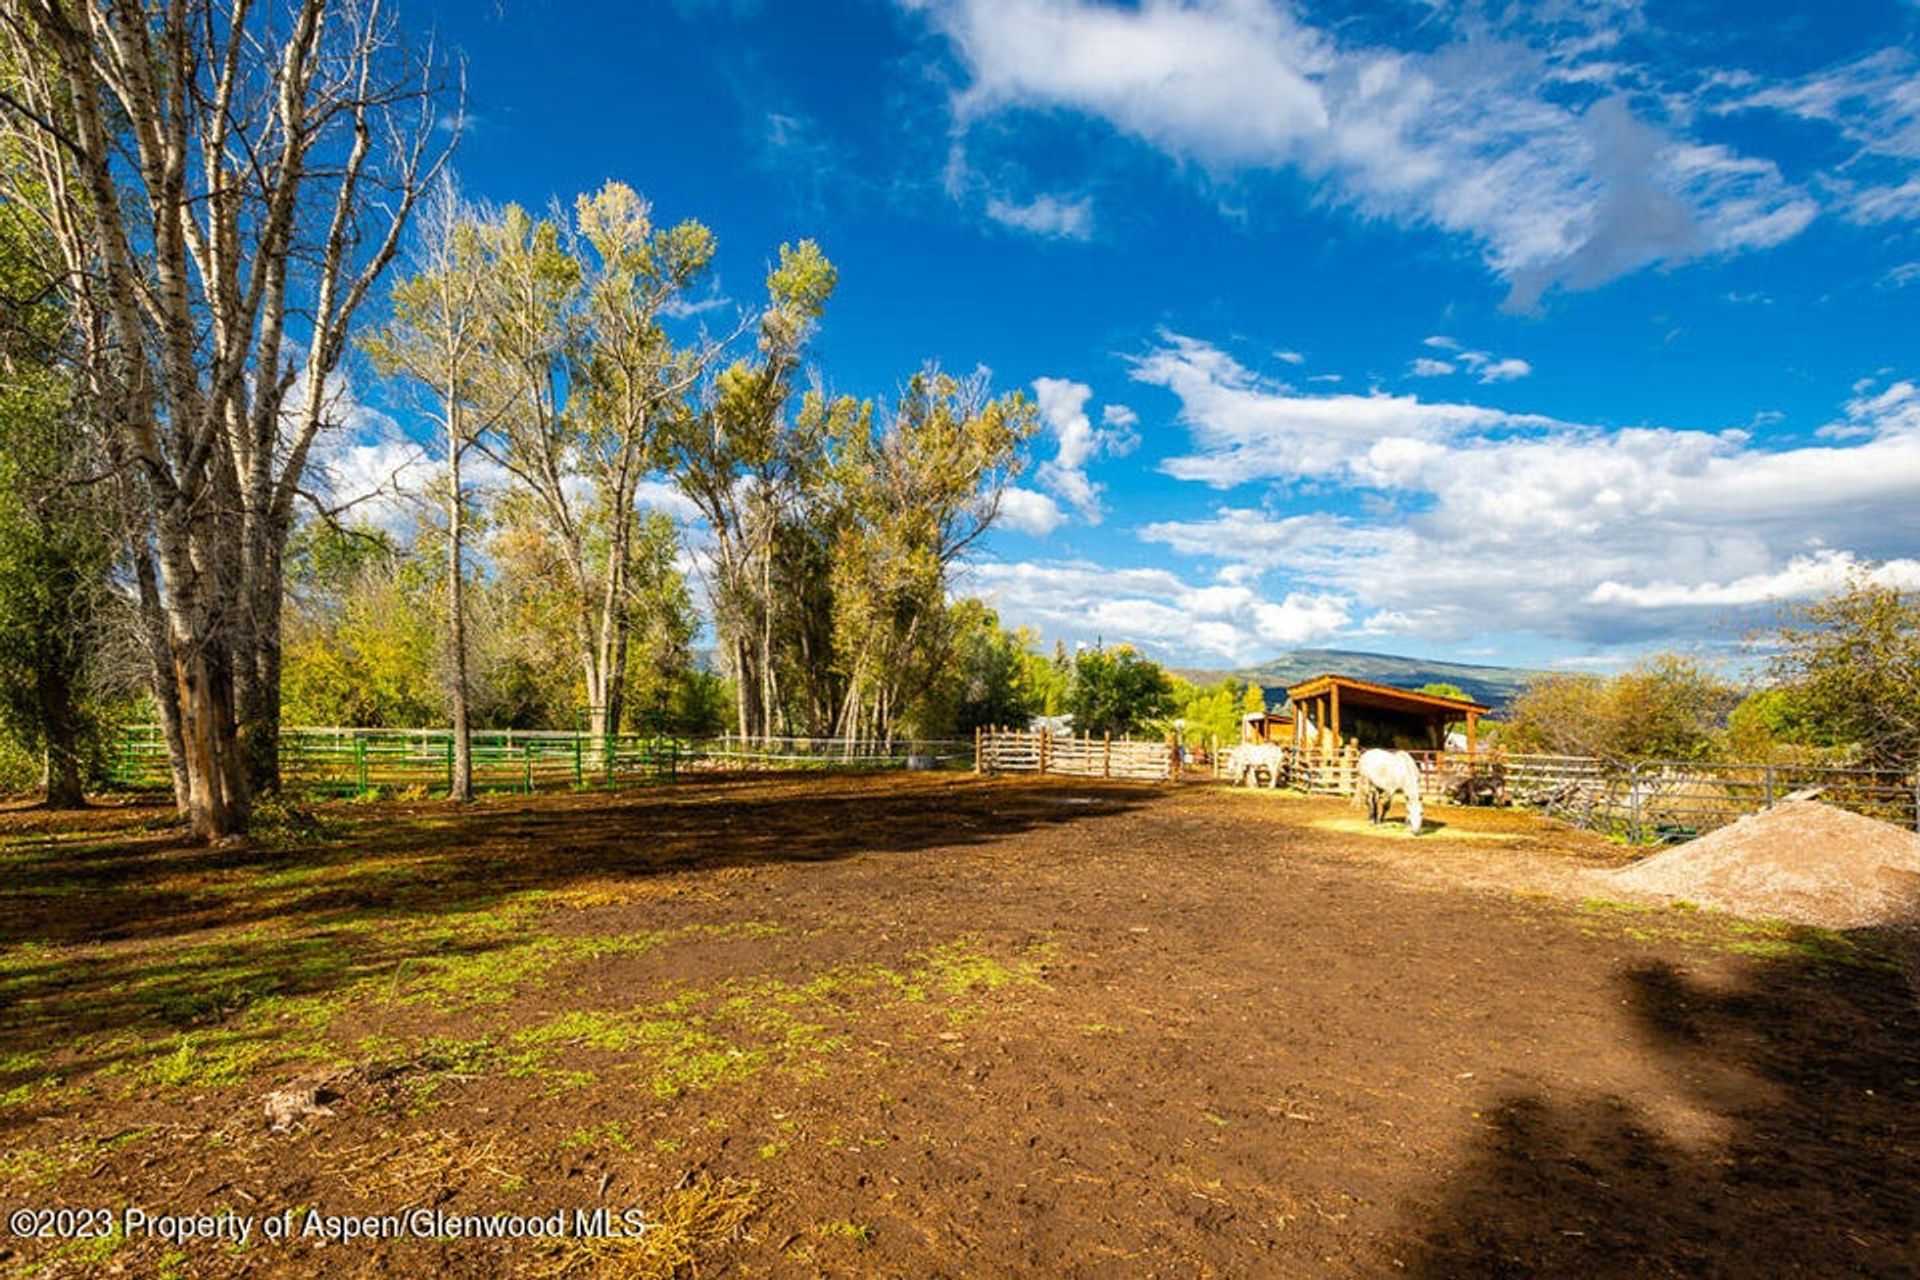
(1473,728)
(1333,712)
(1043,751)
(1106,755)
(976,749)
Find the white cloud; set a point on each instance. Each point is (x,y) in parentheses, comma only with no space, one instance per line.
(1063,409)
(1045,215)
(1512,138)
(682,308)
(1155,609)
(1505,370)
(1889,203)
(659,495)
(1247,430)
(1291,357)
(1802,577)
(1872,103)
(1476,519)
(1029,512)
(1901,276)
(1486,366)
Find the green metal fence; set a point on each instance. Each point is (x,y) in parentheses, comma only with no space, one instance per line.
(366,761)
(373,761)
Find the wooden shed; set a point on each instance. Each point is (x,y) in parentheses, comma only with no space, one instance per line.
(1266,726)
(1331,711)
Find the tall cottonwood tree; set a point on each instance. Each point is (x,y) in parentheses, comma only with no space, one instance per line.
(587,381)
(224,182)
(748,467)
(916,493)
(435,339)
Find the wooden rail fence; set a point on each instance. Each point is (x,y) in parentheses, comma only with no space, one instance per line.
(1016,751)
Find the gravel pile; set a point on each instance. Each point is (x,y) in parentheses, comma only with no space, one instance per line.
(1800,860)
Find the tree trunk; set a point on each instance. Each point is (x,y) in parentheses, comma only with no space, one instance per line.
(744,686)
(60,726)
(769,689)
(207,735)
(161,681)
(612,651)
(257,674)
(201,665)
(461,784)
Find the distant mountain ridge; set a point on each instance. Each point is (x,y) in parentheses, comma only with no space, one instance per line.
(1495,686)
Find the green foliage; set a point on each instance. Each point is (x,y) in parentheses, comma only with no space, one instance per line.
(909,497)
(1666,707)
(56,547)
(1851,667)
(358,649)
(1212,712)
(1669,707)
(1441,689)
(700,704)
(1117,691)
(984,685)
(1770,724)
(1046,682)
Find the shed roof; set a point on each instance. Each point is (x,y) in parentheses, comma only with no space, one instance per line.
(1371,694)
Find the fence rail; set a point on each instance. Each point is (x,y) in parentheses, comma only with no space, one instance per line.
(1641,801)
(1014,751)
(362,761)
(1668,800)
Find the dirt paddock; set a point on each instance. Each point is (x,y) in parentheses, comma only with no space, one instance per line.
(934,1025)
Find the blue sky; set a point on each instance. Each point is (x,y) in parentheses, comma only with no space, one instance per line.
(1544,333)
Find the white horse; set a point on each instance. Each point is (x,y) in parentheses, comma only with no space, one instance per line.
(1382,773)
(1250,759)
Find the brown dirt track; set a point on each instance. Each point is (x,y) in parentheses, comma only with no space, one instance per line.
(943,1026)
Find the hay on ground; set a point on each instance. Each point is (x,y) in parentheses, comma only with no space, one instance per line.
(1802,861)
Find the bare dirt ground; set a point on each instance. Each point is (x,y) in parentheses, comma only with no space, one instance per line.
(937,1026)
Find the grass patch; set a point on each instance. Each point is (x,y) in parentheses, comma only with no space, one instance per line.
(962,967)
(611,1134)
(1821,950)
(30,1167)
(204,1061)
(847,1230)
(704,1038)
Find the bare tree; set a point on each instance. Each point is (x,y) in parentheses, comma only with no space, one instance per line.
(225,181)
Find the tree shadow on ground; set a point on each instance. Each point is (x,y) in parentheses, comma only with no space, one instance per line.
(130,941)
(1811,1063)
